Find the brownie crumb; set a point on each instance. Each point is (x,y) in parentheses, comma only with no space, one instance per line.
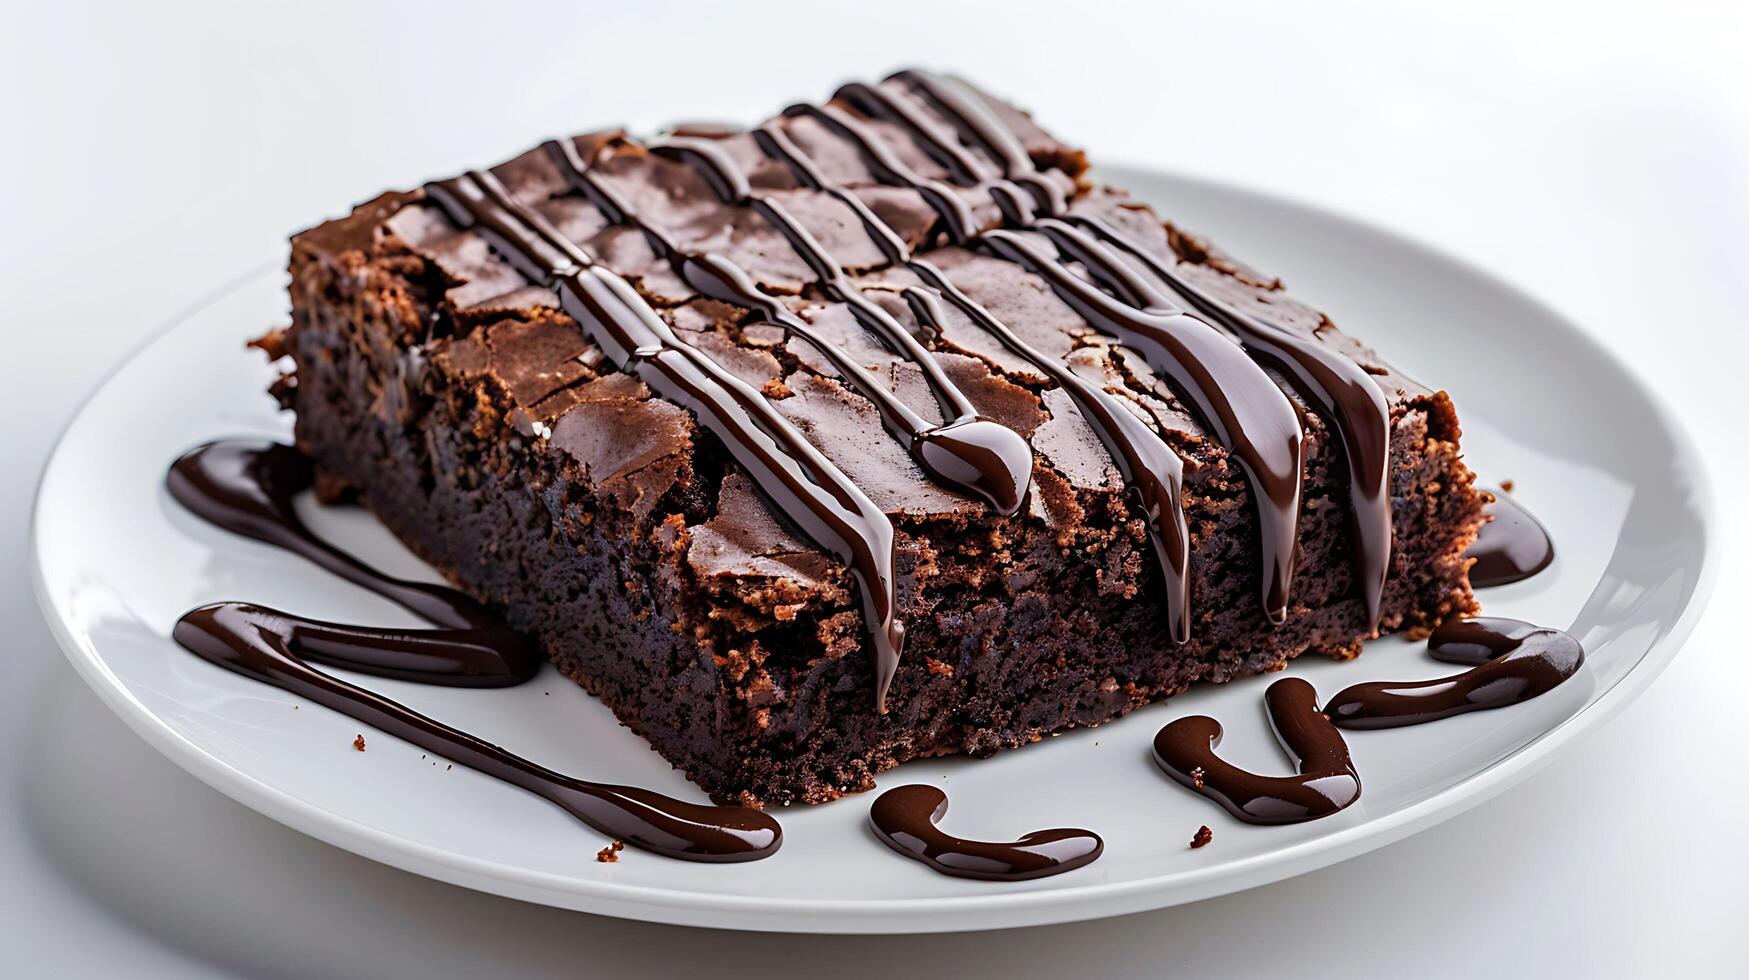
(358,743)
(1507,485)
(1196,779)
(610,853)
(1202,838)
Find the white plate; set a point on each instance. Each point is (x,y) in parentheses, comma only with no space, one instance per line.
(1592,451)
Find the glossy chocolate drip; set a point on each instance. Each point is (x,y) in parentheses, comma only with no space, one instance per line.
(800,482)
(1515,661)
(246,486)
(975,121)
(1512,547)
(266,646)
(968,452)
(1340,388)
(1247,412)
(1326,782)
(905,818)
(1148,466)
(955,214)
(1240,403)
(484,656)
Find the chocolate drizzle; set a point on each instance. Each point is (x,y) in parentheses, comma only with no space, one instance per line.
(1515,661)
(246,486)
(905,819)
(802,483)
(1246,410)
(266,645)
(1335,383)
(969,452)
(1326,782)
(479,656)
(1151,470)
(1512,547)
(1340,388)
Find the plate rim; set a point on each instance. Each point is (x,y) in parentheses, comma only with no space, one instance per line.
(996,910)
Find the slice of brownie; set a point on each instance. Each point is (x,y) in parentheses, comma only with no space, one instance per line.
(442,373)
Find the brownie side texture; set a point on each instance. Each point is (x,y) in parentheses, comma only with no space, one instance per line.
(491,437)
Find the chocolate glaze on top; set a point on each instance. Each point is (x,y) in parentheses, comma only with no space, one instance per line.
(265,645)
(905,819)
(969,454)
(1339,386)
(1515,661)
(1326,782)
(1149,467)
(1000,461)
(246,486)
(803,484)
(1242,405)
(1512,547)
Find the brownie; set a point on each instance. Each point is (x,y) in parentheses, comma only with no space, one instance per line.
(438,376)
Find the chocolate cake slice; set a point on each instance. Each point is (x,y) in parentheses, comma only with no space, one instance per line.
(878,431)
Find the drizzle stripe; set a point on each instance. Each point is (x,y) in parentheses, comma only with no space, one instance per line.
(1149,467)
(801,482)
(967,454)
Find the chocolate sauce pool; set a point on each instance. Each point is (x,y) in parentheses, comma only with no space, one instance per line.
(1515,661)
(905,819)
(247,486)
(1512,547)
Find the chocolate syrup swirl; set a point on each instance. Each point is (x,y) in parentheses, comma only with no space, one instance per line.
(1001,461)
(905,819)
(266,645)
(246,486)
(796,477)
(1512,547)
(1515,661)
(1150,469)
(1326,781)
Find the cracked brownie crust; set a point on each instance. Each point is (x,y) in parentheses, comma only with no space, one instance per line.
(453,395)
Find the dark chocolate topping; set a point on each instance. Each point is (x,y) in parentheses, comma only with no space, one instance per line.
(266,646)
(1512,547)
(1148,466)
(905,818)
(968,452)
(1331,380)
(803,485)
(246,486)
(1326,782)
(1515,661)
(1339,386)
(1247,412)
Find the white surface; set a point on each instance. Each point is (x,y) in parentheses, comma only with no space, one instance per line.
(1592,155)
(1623,494)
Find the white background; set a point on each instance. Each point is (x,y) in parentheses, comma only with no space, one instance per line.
(1593,154)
